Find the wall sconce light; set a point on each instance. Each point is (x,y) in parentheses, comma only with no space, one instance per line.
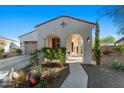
(88,40)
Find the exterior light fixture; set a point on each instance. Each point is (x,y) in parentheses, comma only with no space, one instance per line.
(88,40)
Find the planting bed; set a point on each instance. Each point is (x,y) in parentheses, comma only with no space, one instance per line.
(57,76)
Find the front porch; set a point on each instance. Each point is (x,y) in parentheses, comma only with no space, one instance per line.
(74,46)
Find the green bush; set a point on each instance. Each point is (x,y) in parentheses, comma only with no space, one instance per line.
(19,51)
(122,66)
(35,57)
(60,53)
(43,84)
(118,65)
(48,53)
(36,70)
(2,50)
(54,54)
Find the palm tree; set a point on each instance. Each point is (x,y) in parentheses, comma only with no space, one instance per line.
(116,13)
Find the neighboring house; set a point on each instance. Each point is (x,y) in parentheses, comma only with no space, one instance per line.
(9,43)
(65,31)
(120,41)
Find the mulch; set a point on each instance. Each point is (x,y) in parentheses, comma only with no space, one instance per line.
(104,76)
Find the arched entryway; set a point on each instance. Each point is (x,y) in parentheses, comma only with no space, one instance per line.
(52,41)
(74,46)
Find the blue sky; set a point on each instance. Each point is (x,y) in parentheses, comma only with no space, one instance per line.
(17,20)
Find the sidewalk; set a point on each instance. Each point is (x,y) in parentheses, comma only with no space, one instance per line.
(77,77)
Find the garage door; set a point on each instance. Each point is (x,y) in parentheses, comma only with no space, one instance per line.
(30,47)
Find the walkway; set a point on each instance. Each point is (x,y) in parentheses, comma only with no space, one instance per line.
(77,77)
(17,62)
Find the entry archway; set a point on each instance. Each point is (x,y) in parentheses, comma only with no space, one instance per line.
(74,46)
(52,41)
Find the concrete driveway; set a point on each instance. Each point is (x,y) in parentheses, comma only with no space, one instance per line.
(17,62)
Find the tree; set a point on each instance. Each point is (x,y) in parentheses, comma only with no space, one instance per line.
(97,52)
(107,40)
(2,43)
(116,13)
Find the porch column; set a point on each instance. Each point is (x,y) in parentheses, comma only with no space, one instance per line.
(63,41)
(87,51)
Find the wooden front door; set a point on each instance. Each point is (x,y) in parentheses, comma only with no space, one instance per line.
(55,42)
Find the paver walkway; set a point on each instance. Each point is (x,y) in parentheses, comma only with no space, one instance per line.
(17,62)
(77,77)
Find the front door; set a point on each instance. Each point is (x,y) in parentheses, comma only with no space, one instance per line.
(55,42)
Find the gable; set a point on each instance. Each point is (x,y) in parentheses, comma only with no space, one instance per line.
(58,21)
(69,17)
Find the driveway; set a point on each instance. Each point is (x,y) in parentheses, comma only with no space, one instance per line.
(17,62)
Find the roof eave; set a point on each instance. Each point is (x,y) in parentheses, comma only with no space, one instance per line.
(68,17)
(26,34)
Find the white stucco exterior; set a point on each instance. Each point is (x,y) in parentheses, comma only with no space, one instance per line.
(9,43)
(54,27)
(31,36)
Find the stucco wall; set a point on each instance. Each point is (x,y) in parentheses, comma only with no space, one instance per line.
(9,44)
(71,27)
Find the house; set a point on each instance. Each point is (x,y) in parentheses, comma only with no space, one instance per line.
(65,31)
(120,41)
(9,44)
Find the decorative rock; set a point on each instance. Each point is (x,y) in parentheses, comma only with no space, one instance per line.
(15,75)
(4,78)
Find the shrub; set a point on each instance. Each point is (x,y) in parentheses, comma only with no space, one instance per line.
(4,55)
(19,51)
(48,53)
(122,66)
(118,65)
(36,70)
(35,57)
(2,50)
(54,54)
(42,84)
(60,54)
